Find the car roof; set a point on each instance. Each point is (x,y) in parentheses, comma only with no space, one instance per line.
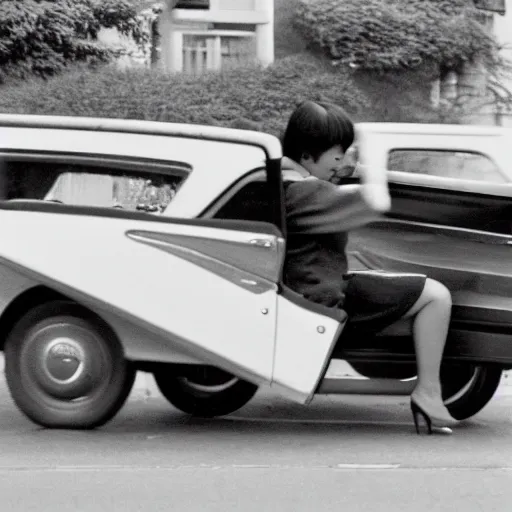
(431,129)
(197,145)
(269,143)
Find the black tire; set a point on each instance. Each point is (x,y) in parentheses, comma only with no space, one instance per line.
(468,388)
(204,390)
(65,367)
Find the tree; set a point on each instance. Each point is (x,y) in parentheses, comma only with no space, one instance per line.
(411,51)
(42,37)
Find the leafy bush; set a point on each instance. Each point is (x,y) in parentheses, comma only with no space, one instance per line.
(265,96)
(386,35)
(403,97)
(42,37)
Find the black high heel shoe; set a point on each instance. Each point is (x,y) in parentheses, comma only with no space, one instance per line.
(418,412)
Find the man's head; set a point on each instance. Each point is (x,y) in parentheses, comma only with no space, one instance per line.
(317,136)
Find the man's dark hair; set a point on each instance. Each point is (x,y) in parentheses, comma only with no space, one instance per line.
(315,127)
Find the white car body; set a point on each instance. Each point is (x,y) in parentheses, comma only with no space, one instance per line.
(186,287)
(162,306)
(376,141)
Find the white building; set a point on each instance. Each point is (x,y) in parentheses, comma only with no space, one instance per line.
(200,35)
(222,33)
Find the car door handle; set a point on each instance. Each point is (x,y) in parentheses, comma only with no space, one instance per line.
(262,242)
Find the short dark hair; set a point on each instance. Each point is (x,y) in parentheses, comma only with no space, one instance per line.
(315,127)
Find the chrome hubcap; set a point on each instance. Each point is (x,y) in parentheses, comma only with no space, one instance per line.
(66,361)
(63,360)
(209,388)
(465,388)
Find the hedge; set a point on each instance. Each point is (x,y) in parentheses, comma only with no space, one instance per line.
(395,35)
(265,96)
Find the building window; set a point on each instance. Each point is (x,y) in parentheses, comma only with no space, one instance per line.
(191,4)
(197,53)
(237,50)
(499,6)
(213,52)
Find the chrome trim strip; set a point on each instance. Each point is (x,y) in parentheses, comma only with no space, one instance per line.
(478,235)
(503,189)
(236,262)
(259,254)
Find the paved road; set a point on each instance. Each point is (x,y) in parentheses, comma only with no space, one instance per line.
(339,454)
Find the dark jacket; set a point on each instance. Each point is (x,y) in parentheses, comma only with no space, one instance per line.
(318,216)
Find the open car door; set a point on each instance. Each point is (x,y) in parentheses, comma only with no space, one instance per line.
(306,333)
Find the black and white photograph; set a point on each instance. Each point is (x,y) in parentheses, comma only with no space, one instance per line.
(255,255)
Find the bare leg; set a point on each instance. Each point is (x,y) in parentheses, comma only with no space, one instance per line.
(431,317)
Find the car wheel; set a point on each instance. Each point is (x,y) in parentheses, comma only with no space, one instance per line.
(204,390)
(65,367)
(468,388)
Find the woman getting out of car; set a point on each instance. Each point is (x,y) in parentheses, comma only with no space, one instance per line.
(314,144)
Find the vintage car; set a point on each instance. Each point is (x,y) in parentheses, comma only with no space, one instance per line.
(130,245)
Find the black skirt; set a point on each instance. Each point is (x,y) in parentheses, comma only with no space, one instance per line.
(374,300)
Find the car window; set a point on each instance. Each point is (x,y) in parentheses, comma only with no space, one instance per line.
(133,188)
(248,200)
(446,164)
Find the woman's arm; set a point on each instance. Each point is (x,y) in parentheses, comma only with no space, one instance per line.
(318,207)
(374,187)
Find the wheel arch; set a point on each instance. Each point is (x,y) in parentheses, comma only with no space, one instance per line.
(24,302)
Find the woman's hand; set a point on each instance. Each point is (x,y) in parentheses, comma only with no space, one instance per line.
(374,187)
(377,197)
